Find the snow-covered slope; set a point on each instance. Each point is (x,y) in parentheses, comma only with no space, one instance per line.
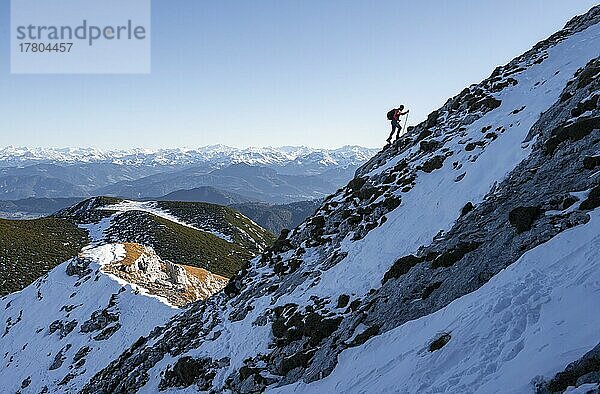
(71,323)
(462,258)
(530,320)
(415,247)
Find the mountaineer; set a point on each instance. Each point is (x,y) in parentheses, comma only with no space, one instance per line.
(394,115)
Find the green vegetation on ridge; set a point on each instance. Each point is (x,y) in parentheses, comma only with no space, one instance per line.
(180,244)
(220,218)
(30,248)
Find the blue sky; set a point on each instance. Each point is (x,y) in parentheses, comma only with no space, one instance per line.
(276,72)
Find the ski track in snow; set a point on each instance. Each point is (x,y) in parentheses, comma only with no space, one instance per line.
(531,319)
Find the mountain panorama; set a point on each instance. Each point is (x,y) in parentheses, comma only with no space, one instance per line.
(462,258)
(272,175)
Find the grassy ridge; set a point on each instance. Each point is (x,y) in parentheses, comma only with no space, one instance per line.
(30,248)
(220,218)
(179,244)
(200,249)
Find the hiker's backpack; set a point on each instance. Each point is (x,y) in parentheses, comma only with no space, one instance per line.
(390,114)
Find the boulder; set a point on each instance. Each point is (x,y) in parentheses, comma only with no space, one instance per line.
(522,218)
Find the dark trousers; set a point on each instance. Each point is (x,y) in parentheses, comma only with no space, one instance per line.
(395,129)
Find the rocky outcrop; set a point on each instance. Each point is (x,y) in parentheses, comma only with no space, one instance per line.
(178,284)
(78,267)
(583,371)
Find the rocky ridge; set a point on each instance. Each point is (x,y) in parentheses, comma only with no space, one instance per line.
(482,184)
(178,284)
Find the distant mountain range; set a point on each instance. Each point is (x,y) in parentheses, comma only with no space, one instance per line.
(273,175)
(294,158)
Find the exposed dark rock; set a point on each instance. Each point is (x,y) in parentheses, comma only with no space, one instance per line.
(489,103)
(440,342)
(366,194)
(392,203)
(571,132)
(430,289)
(54,326)
(356,183)
(286,267)
(429,146)
(591,162)
(565,96)
(67,328)
(449,258)
(354,305)
(297,360)
(433,164)
(318,328)
(588,73)
(584,106)
(78,267)
(364,336)
(516,111)
(343,301)
(587,367)
(291,324)
(59,358)
(99,320)
(592,201)
(108,332)
(282,244)
(424,134)
(467,208)
(234,286)
(432,119)
(26,382)
(568,201)
(522,218)
(187,371)
(68,377)
(318,224)
(82,352)
(401,267)
(249,380)
(497,87)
